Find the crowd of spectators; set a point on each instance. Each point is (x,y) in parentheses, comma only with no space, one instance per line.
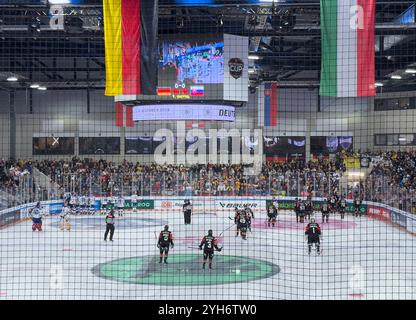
(392,178)
(101,177)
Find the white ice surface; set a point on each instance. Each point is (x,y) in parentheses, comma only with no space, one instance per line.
(372,260)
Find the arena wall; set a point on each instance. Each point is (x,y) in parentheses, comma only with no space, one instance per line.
(65,113)
(224,206)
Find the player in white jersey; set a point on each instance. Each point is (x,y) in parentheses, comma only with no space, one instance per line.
(73,201)
(82,202)
(134,201)
(36,214)
(120,206)
(104,205)
(65,217)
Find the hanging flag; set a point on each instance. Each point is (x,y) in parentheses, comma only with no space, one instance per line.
(348,60)
(124,115)
(270,104)
(130,35)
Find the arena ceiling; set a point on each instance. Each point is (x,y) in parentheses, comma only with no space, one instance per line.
(284,37)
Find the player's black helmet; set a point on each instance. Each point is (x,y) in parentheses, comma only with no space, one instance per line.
(210,232)
(166,228)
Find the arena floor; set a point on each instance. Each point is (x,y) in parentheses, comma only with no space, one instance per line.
(362,259)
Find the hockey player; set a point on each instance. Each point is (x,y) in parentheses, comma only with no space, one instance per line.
(357,206)
(73,202)
(325,211)
(333,204)
(240,220)
(272,215)
(120,206)
(83,204)
(187,211)
(297,209)
(313,234)
(302,211)
(309,208)
(109,220)
(165,240)
(208,244)
(36,214)
(134,202)
(104,205)
(65,215)
(249,216)
(342,206)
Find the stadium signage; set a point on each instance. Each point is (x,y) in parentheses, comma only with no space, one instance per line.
(10,217)
(239,205)
(236,67)
(157,112)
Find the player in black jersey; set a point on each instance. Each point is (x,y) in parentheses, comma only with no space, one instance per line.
(187,211)
(208,244)
(165,240)
(297,209)
(272,214)
(333,204)
(325,211)
(357,206)
(109,220)
(313,235)
(249,216)
(342,206)
(302,212)
(240,220)
(309,208)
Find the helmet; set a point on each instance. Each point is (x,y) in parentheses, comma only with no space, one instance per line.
(166,228)
(210,232)
(312,219)
(38,204)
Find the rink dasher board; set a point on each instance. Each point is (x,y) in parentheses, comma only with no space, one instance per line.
(207,204)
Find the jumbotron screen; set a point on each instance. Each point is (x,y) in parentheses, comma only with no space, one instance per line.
(191,68)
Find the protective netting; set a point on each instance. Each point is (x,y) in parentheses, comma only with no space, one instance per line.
(247,118)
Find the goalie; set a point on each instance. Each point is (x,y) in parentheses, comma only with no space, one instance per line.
(65,224)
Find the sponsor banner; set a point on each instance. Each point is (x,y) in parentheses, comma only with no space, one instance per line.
(236,78)
(198,205)
(184,112)
(378,213)
(9,217)
(231,204)
(55,207)
(289,204)
(411,224)
(399,219)
(140,204)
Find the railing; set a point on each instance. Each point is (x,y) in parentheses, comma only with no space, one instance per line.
(294,184)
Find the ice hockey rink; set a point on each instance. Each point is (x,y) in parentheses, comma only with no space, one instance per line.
(361,259)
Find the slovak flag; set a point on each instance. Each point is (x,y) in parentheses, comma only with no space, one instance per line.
(197,91)
(268,105)
(124,115)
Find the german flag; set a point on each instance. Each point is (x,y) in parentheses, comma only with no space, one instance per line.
(130,33)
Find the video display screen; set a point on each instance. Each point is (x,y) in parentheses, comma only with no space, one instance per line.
(191,67)
(99,145)
(53,146)
(139,145)
(284,147)
(329,145)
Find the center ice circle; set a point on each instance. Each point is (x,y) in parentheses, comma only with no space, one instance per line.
(185,270)
(97,222)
